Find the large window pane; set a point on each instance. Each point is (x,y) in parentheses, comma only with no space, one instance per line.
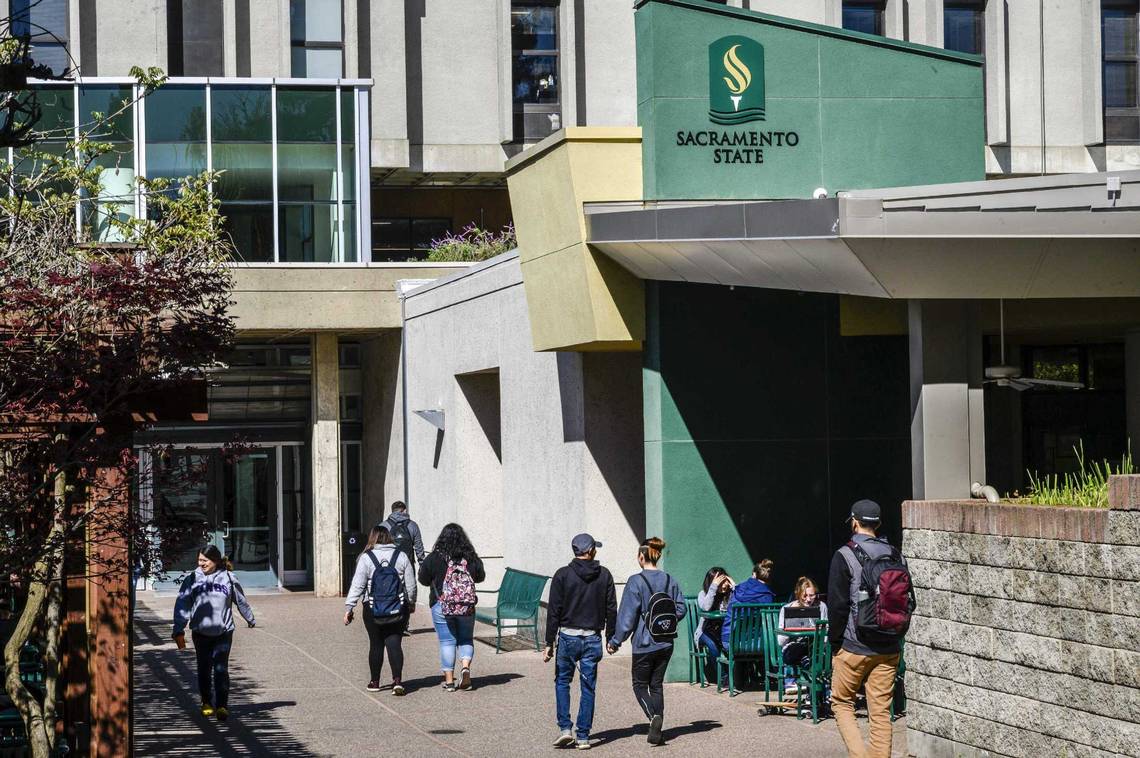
(534,28)
(315,20)
(306,115)
(194,37)
(863,17)
(250,226)
(1119,27)
(535,78)
(45,23)
(306,174)
(317,63)
(175,133)
(1120,84)
(348,172)
(106,115)
(962,23)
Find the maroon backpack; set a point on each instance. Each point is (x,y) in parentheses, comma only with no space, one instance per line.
(886,596)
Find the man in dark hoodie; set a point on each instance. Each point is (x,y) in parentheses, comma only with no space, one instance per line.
(583,605)
(405,533)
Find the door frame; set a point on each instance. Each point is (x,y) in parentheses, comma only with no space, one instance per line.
(284,578)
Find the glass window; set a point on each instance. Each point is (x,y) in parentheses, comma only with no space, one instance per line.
(45,23)
(1121,52)
(535,71)
(399,239)
(176,132)
(351,486)
(306,174)
(964,26)
(242,131)
(194,37)
(316,31)
(863,16)
(106,115)
(348,171)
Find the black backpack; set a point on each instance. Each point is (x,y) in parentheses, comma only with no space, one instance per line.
(660,614)
(387,590)
(401,537)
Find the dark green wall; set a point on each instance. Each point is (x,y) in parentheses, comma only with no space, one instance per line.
(867,111)
(763,425)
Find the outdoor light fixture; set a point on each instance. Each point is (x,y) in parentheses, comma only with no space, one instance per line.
(433,416)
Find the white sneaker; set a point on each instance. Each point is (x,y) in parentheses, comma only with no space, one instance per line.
(582,744)
(564,740)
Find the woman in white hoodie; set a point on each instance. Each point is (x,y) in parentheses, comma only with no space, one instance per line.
(385,580)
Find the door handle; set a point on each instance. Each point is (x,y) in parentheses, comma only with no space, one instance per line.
(225,530)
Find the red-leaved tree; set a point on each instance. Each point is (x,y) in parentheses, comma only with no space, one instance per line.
(103,318)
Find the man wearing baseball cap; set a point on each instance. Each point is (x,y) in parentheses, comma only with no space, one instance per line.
(583,605)
(859,661)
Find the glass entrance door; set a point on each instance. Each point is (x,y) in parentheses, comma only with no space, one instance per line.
(226,501)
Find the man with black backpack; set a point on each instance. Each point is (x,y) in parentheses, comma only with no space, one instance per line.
(405,533)
(871,599)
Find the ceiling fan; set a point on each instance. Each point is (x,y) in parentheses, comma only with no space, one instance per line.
(1005,375)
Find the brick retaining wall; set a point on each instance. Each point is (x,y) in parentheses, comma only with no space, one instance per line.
(1026,641)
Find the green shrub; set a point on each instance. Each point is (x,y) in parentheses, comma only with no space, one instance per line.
(473,244)
(1086,488)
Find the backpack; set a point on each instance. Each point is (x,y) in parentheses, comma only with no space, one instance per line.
(458,592)
(401,537)
(660,614)
(387,590)
(886,596)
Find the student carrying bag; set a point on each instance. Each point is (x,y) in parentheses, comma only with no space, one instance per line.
(886,594)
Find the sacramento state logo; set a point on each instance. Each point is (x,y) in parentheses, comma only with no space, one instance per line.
(736,81)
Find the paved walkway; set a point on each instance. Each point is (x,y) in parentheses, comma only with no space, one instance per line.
(298,681)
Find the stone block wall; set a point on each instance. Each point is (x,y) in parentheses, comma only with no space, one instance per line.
(1026,639)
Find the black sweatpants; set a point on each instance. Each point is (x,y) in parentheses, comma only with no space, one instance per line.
(213,654)
(648,678)
(383,637)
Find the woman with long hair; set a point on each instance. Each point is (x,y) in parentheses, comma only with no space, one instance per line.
(450,572)
(205,603)
(714,594)
(385,580)
(651,651)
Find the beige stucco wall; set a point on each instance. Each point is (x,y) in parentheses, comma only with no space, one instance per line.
(579,299)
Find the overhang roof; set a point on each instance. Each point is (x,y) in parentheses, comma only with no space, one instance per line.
(1052,236)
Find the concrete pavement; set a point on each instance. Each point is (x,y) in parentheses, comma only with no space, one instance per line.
(298,690)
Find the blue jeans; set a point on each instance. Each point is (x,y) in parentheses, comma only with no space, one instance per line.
(714,648)
(453,632)
(582,653)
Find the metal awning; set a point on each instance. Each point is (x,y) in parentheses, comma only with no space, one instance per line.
(1040,237)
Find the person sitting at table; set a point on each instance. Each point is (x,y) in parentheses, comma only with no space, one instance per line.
(754,590)
(796,651)
(717,588)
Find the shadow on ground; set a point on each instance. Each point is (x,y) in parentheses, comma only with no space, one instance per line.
(696,727)
(166,717)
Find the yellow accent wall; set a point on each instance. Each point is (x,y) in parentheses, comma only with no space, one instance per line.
(578,298)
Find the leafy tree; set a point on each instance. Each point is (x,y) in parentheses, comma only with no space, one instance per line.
(104,318)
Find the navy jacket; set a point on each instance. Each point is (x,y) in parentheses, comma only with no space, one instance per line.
(751,591)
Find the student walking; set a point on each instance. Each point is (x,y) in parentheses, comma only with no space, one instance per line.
(451,571)
(651,609)
(405,533)
(871,601)
(205,603)
(583,605)
(385,580)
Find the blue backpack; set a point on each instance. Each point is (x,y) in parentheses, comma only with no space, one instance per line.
(387,590)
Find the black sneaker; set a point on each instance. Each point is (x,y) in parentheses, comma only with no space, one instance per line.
(223,713)
(655,737)
(449,686)
(373,686)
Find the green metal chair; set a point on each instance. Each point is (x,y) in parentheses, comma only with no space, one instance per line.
(774,668)
(812,682)
(746,640)
(697,655)
(519,596)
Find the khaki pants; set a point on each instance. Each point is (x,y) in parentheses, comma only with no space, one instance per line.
(877,674)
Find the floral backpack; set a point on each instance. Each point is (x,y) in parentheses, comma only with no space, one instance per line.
(458,593)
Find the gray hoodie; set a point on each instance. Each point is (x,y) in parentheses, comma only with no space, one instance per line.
(638,589)
(205,603)
(413,532)
(362,578)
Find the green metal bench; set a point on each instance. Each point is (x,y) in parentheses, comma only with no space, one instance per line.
(519,596)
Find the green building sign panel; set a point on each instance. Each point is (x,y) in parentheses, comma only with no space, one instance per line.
(741,105)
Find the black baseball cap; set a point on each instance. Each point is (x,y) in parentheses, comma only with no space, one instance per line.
(866,512)
(584,543)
